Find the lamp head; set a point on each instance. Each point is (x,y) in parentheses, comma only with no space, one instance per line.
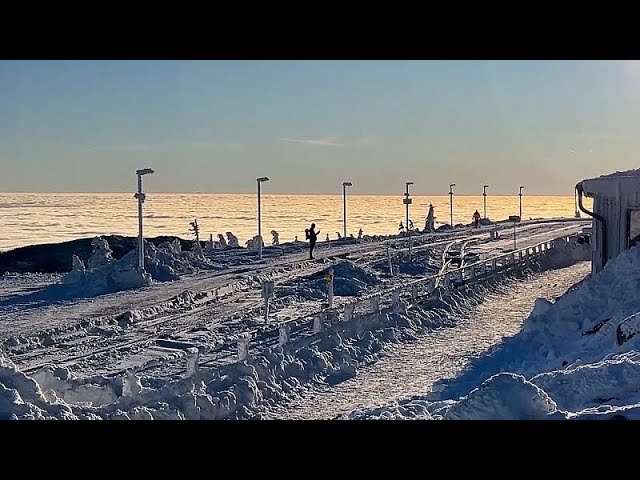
(347,184)
(144,171)
(263,179)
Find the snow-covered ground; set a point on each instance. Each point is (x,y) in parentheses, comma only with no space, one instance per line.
(575,358)
(408,368)
(122,355)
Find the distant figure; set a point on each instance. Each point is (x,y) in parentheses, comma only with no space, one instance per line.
(327,237)
(276,238)
(222,241)
(312,236)
(401,227)
(360,233)
(476,219)
(410,224)
(338,235)
(351,236)
(429,225)
(296,239)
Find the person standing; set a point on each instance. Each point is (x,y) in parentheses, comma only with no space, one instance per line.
(476,219)
(312,236)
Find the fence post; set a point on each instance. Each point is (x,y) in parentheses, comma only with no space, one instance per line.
(329,279)
(283,335)
(267,293)
(193,355)
(243,347)
(130,385)
(317,324)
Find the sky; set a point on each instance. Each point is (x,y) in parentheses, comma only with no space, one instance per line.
(215,126)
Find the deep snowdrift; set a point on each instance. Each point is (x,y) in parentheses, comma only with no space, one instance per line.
(574,358)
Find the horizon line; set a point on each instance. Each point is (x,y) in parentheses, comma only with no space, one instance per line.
(292,194)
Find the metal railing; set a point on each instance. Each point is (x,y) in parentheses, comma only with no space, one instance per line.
(237,347)
(371,302)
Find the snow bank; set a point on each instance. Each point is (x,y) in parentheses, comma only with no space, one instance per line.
(349,280)
(21,398)
(247,389)
(504,396)
(567,252)
(103,274)
(576,358)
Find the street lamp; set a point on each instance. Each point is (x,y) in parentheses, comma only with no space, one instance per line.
(520,194)
(451,201)
(141,196)
(407,201)
(344,210)
(260,180)
(484,195)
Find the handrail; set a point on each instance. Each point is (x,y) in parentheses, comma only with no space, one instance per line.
(244,336)
(451,272)
(410,284)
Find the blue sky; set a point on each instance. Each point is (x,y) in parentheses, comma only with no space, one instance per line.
(214,126)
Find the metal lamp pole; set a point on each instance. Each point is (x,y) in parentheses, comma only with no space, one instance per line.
(451,201)
(484,195)
(141,197)
(260,180)
(344,210)
(520,194)
(407,202)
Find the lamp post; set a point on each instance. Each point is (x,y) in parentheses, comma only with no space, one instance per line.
(141,197)
(344,210)
(484,199)
(407,201)
(451,201)
(260,180)
(520,194)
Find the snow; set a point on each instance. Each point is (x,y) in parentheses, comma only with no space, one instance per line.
(234,390)
(577,357)
(504,396)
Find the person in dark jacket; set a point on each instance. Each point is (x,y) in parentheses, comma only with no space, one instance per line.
(312,236)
